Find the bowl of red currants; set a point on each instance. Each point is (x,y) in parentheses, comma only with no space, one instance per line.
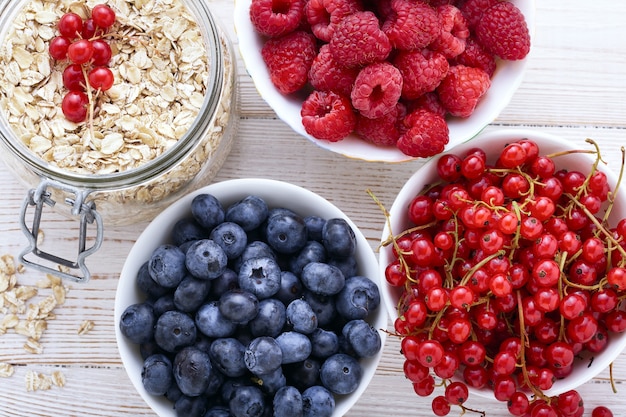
(503,270)
(347,75)
(250,297)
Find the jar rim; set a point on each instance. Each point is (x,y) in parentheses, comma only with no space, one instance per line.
(158,165)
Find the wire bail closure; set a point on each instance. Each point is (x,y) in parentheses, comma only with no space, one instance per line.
(39,197)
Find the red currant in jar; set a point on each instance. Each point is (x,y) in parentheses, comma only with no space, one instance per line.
(73,78)
(101,53)
(80,52)
(70,25)
(101,78)
(91,30)
(103,16)
(58,47)
(74,106)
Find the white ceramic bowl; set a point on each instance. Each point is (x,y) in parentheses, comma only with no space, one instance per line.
(276,194)
(492,142)
(504,83)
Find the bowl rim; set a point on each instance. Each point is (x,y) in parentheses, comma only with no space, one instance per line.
(506,80)
(157,231)
(428,171)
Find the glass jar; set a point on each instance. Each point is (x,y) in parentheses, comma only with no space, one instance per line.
(82,169)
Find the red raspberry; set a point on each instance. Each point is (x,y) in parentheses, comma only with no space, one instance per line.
(475,55)
(327,75)
(288,59)
(358,40)
(324,15)
(502,31)
(473,10)
(412,24)
(428,101)
(427,134)
(328,116)
(454,32)
(276,17)
(377,90)
(460,91)
(383,131)
(422,71)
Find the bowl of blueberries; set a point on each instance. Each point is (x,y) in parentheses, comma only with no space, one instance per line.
(250,297)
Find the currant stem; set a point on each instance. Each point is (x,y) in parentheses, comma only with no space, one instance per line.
(91,106)
(617,184)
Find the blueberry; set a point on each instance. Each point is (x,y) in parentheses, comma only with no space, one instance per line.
(317,401)
(358,298)
(192,371)
(191,293)
(174,393)
(338,238)
(205,259)
(147,285)
(312,251)
(295,346)
(174,330)
(324,343)
(167,265)
(239,306)
(286,233)
(348,266)
(263,355)
(227,356)
(270,319)
(229,280)
(247,401)
(272,382)
(323,307)
(260,276)
(207,210)
(231,385)
(218,411)
(287,402)
(212,323)
(362,338)
(341,373)
(187,230)
(315,225)
(231,237)
(300,316)
(216,379)
(303,374)
(186,406)
(137,323)
(148,349)
(163,304)
(156,374)
(322,279)
(249,213)
(254,249)
(290,287)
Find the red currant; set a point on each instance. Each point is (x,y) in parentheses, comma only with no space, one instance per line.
(80,52)
(74,106)
(101,78)
(103,16)
(58,47)
(73,78)
(101,53)
(70,25)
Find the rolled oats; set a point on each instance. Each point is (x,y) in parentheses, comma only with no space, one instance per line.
(85,327)
(6,370)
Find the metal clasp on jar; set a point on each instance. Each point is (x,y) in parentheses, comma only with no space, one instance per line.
(79,207)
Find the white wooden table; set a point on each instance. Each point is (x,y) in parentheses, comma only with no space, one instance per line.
(575,87)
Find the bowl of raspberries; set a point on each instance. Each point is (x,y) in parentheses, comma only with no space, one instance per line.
(248,298)
(389,80)
(503,265)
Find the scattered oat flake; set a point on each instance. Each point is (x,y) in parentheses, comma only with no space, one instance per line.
(6,370)
(85,327)
(58,379)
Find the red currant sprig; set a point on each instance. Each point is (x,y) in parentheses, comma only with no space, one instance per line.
(82,43)
(508,273)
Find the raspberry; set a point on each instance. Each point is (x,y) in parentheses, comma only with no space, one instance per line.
(288,59)
(327,75)
(358,40)
(328,116)
(422,71)
(473,10)
(502,31)
(377,90)
(427,134)
(383,131)
(428,101)
(412,24)
(454,32)
(324,15)
(475,55)
(276,17)
(460,91)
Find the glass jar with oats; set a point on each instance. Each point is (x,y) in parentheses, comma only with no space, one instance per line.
(110,110)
